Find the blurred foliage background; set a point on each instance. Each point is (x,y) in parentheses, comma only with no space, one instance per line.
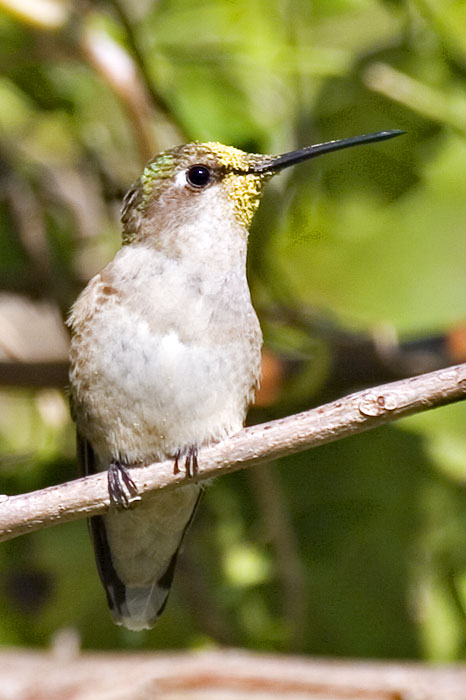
(355,549)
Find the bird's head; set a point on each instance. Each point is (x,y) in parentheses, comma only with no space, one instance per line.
(186,182)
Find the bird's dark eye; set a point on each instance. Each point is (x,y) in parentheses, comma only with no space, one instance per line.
(198,176)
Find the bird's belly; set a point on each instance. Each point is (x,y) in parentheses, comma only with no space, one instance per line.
(150,394)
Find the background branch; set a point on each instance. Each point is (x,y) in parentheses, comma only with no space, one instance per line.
(220,673)
(158,101)
(351,414)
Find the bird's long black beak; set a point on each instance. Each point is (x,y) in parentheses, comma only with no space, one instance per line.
(293,157)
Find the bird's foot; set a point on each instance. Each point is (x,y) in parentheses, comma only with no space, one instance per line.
(191,465)
(121,488)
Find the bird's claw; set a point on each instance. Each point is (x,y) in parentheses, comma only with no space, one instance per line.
(191,465)
(121,488)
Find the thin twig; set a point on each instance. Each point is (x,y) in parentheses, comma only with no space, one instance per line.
(334,421)
(117,68)
(139,57)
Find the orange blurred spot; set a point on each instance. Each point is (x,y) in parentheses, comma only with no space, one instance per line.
(273,372)
(456,343)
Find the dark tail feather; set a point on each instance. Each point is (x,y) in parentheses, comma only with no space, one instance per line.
(114,588)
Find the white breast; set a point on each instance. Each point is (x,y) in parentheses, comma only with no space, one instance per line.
(169,360)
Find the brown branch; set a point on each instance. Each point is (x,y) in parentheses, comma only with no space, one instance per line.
(334,421)
(356,360)
(34,374)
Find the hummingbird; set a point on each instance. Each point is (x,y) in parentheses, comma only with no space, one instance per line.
(166,353)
